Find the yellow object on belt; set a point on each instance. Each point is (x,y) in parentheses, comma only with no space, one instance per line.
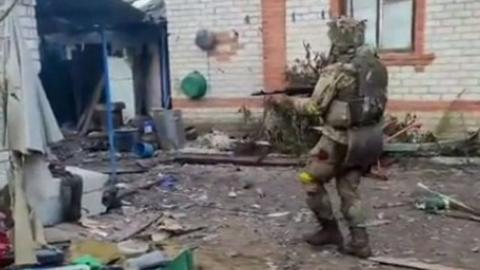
(312,108)
(306,178)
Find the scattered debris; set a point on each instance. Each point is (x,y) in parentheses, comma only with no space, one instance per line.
(132,248)
(278,214)
(94,227)
(131,191)
(455,161)
(233,254)
(411,264)
(406,130)
(150,260)
(378,222)
(216,140)
(101,251)
(462,216)
(135,228)
(172,227)
(160,237)
(247,184)
(168,182)
(260,193)
(451,202)
(433,204)
(232,194)
(191,133)
(453,147)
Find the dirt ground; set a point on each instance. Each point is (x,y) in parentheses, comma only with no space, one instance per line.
(254,217)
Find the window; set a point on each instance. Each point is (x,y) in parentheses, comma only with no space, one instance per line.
(390,23)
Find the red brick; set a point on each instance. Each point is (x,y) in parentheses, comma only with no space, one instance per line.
(274,43)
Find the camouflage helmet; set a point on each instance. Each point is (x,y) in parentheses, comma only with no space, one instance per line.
(346,32)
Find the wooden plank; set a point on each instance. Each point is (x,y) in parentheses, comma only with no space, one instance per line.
(86,119)
(212,159)
(411,264)
(431,147)
(462,216)
(135,228)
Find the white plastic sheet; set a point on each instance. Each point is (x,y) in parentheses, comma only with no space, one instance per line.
(30,125)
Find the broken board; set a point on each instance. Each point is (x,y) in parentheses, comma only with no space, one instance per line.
(212,159)
(411,264)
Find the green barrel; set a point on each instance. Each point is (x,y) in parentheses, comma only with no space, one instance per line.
(194,85)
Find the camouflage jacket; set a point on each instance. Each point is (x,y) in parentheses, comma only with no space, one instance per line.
(337,82)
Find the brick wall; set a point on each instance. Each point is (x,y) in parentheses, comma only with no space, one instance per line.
(452,34)
(274,43)
(234,69)
(306,22)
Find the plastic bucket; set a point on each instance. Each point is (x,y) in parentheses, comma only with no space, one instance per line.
(125,139)
(144,150)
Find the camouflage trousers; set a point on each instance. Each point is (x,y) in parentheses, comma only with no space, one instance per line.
(325,164)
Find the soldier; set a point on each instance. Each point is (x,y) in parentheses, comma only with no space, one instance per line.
(349,98)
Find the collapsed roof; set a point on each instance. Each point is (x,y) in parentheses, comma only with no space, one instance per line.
(82,16)
(154,9)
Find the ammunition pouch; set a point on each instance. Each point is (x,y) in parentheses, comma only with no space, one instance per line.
(354,113)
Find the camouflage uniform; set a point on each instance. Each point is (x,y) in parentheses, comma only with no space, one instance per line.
(345,81)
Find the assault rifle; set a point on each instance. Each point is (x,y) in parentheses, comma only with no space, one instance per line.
(289,91)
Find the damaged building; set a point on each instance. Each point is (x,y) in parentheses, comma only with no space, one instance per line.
(72,64)
(432,52)
(125,150)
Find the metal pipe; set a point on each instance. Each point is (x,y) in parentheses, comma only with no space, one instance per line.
(165,66)
(108,96)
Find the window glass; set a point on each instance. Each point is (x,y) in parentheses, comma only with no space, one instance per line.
(367,10)
(396,25)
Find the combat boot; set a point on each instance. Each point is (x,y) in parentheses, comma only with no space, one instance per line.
(359,244)
(329,235)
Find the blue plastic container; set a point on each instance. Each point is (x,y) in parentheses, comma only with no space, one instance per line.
(144,150)
(125,139)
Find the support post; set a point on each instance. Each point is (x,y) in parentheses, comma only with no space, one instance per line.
(108,96)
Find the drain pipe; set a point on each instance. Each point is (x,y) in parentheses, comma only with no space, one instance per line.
(165,66)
